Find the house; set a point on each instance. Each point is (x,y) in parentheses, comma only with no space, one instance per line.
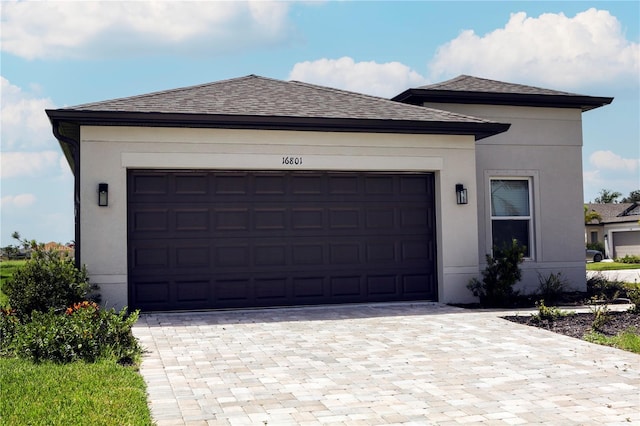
(618,230)
(259,192)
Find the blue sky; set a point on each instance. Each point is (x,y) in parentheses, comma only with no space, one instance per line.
(57,54)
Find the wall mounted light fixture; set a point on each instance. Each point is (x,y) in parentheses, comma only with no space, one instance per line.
(461,194)
(103,194)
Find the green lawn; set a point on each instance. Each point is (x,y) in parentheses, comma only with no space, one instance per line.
(7,268)
(611,266)
(628,340)
(103,393)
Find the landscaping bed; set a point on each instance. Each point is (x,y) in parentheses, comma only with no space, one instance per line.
(581,324)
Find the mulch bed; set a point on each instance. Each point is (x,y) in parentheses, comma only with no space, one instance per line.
(578,325)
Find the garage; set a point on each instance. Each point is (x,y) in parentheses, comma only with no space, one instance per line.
(232,239)
(626,243)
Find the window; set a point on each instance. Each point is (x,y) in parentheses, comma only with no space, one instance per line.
(511,216)
(594,237)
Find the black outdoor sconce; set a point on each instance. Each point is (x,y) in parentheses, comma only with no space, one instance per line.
(103,194)
(461,194)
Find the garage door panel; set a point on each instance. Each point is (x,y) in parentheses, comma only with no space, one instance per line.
(192,183)
(190,257)
(193,290)
(150,292)
(382,285)
(308,184)
(269,184)
(227,290)
(307,218)
(346,286)
(270,218)
(192,220)
(271,255)
(232,256)
(150,257)
(150,183)
(308,287)
(151,220)
(271,290)
(307,254)
(235,239)
(232,219)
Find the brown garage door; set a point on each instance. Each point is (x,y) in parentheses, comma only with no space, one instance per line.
(207,239)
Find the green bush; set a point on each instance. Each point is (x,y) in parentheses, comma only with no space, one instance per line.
(82,332)
(498,278)
(631,259)
(552,286)
(550,314)
(600,287)
(9,323)
(634,296)
(596,246)
(49,280)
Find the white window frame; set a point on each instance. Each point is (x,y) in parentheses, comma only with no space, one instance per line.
(532,176)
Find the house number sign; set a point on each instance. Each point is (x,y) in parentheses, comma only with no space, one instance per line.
(292,161)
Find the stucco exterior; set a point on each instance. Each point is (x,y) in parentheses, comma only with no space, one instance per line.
(107,153)
(544,144)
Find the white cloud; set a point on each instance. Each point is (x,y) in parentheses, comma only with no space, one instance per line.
(24,122)
(29,164)
(384,80)
(608,160)
(69,29)
(20,200)
(552,49)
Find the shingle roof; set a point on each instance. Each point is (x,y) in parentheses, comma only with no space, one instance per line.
(255,95)
(614,212)
(476,90)
(265,101)
(467,83)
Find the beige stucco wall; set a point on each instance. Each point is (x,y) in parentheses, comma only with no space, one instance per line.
(107,153)
(546,145)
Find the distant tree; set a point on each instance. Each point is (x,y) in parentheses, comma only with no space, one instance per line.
(634,197)
(607,196)
(591,215)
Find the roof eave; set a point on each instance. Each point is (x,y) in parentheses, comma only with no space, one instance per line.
(480,130)
(420,96)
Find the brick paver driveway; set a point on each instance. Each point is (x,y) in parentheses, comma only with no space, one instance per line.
(420,363)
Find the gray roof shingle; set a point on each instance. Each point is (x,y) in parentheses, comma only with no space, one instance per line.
(467,83)
(614,212)
(261,96)
(255,102)
(466,89)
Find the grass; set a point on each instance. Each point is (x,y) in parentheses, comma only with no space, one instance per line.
(7,268)
(611,266)
(628,340)
(103,393)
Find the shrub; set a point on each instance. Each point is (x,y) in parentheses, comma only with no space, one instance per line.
(9,323)
(634,296)
(49,280)
(629,259)
(498,278)
(600,315)
(550,314)
(551,287)
(82,332)
(600,287)
(596,246)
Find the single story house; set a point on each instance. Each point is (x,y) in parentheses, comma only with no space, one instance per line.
(259,192)
(618,229)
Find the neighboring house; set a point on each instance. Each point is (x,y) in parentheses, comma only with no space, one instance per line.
(618,229)
(259,192)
